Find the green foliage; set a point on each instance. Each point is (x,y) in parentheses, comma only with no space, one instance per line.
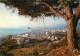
(78,42)
(8,42)
(35,52)
(4,53)
(51,46)
(65,3)
(29,7)
(42,47)
(63,42)
(29,54)
(10,54)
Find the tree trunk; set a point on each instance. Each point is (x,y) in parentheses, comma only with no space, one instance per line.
(71,34)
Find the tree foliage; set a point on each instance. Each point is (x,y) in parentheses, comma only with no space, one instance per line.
(36,8)
(8,42)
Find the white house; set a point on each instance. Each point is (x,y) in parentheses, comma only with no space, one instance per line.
(63,31)
(26,35)
(18,39)
(56,38)
(49,37)
(46,33)
(52,38)
(27,41)
(19,35)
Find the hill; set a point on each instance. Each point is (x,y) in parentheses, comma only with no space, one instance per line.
(63,51)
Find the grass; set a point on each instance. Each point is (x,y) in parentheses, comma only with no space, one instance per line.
(28,49)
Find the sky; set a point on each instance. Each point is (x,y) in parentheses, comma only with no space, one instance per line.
(13,20)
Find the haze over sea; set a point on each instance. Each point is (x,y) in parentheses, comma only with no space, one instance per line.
(14,31)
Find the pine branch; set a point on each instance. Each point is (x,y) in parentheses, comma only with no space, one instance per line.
(53,10)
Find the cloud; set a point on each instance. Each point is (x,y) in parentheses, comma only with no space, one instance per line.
(12,20)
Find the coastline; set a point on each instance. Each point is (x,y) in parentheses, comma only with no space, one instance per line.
(15,31)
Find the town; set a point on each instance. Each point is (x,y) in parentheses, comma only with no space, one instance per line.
(51,34)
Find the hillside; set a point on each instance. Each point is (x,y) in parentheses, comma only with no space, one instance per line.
(63,51)
(41,48)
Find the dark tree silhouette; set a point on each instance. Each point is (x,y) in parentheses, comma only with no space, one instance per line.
(36,8)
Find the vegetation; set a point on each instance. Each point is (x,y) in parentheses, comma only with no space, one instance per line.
(33,48)
(8,43)
(36,8)
(39,48)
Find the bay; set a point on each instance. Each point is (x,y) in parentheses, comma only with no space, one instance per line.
(14,31)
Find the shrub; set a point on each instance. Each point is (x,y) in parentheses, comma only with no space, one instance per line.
(8,42)
(35,52)
(63,42)
(51,46)
(10,54)
(29,54)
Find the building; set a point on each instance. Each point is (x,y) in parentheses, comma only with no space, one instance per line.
(56,38)
(25,35)
(27,40)
(52,38)
(20,40)
(46,33)
(49,37)
(19,35)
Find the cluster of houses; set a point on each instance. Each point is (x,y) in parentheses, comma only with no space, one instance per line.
(53,35)
(20,40)
(53,38)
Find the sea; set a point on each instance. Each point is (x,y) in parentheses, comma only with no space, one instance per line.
(14,31)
